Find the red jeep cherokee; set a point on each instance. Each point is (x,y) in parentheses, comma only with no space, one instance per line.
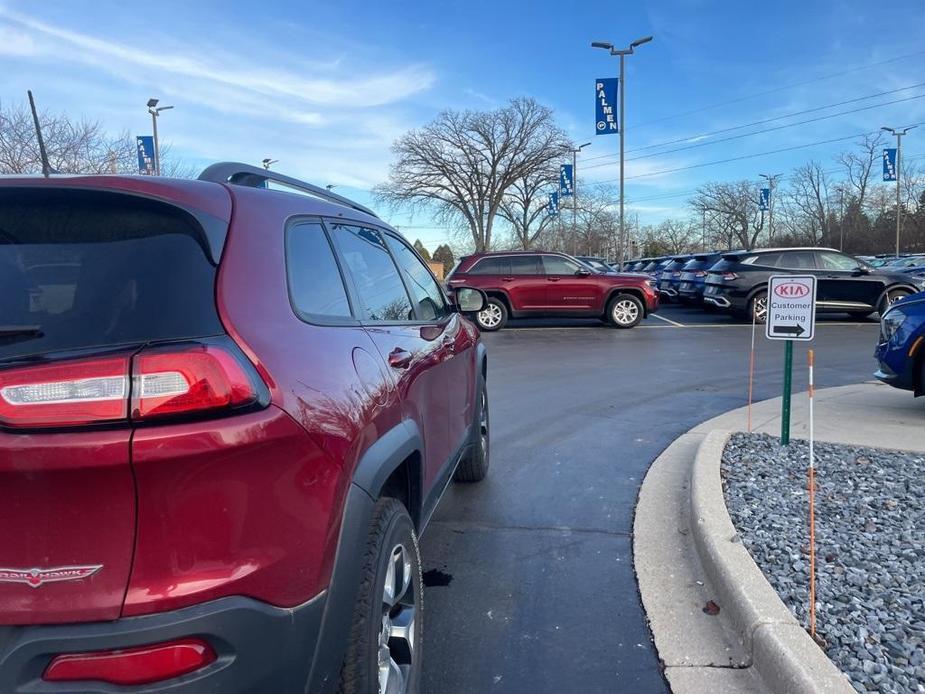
(226,412)
(522,284)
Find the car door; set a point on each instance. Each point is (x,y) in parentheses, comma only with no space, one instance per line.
(565,288)
(526,283)
(459,338)
(414,350)
(841,282)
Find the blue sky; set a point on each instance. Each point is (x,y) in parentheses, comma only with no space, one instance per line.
(326,87)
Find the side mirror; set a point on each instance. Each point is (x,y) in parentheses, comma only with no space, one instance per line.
(469,300)
(582,272)
(861,270)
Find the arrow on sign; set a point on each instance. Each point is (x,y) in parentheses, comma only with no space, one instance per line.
(789,330)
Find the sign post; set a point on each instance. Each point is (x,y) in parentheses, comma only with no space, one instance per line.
(791,316)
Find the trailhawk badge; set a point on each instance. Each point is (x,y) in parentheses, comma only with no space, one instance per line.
(39,577)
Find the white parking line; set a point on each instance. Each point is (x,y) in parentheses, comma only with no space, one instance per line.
(667,320)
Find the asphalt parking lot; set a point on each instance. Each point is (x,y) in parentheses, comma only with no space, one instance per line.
(529,574)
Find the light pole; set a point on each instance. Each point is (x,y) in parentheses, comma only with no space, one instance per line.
(155,111)
(575,193)
(622,123)
(899,151)
(772,180)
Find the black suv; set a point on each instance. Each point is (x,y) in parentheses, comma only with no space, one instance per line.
(739,281)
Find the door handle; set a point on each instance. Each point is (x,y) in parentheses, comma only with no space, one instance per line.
(507,279)
(400,358)
(552,279)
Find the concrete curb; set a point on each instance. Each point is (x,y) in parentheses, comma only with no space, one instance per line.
(783,655)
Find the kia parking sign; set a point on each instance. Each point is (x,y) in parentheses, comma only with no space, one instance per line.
(791,307)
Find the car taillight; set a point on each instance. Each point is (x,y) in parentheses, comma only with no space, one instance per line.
(676,273)
(194,379)
(189,378)
(728,276)
(83,391)
(700,273)
(132,666)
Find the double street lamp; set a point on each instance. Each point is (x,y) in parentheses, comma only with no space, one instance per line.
(899,150)
(155,111)
(622,122)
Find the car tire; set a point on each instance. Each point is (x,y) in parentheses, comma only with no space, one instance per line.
(890,298)
(474,466)
(625,311)
(758,307)
(493,316)
(387,624)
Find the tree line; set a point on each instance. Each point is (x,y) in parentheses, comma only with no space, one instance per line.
(488,175)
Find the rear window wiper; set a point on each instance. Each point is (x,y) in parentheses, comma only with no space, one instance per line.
(21,331)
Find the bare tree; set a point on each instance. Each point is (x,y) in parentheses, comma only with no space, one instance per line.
(859,164)
(525,205)
(805,208)
(462,164)
(735,208)
(73,146)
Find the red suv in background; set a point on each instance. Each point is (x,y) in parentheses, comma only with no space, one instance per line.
(522,284)
(226,413)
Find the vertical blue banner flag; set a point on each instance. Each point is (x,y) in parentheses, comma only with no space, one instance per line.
(552,209)
(145,146)
(889,164)
(566,180)
(764,203)
(605,103)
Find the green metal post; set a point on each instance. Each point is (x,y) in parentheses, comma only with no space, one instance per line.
(785,405)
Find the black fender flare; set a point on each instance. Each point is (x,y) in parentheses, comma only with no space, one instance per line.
(376,464)
(381,459)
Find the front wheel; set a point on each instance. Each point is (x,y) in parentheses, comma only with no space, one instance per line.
(890,298)
(493,316)
(385,637)
(625,311)
(758,307)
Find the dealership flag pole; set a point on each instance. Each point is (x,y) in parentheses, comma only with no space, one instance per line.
(812,506)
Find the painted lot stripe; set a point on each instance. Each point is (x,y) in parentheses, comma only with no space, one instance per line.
(667,320)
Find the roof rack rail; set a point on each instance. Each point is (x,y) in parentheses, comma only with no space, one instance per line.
(255,177)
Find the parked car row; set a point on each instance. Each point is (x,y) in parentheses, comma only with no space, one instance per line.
(548,284)
(736,281)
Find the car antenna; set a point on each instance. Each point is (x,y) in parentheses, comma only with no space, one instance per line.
(46,167)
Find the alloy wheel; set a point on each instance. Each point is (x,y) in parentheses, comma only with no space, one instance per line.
(760,308)
(483,423)
(396,637)
(625,312)
(490,316)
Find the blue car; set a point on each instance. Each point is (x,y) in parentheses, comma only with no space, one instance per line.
(901,349)
(694,276)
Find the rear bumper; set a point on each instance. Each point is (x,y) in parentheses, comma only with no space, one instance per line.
(260,648)
(725,297)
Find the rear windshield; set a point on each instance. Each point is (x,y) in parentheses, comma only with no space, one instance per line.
(85,269)
(723,264)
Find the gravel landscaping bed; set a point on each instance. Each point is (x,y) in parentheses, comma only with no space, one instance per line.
(870,548)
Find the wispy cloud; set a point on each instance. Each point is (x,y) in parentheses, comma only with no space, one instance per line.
(21,34)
